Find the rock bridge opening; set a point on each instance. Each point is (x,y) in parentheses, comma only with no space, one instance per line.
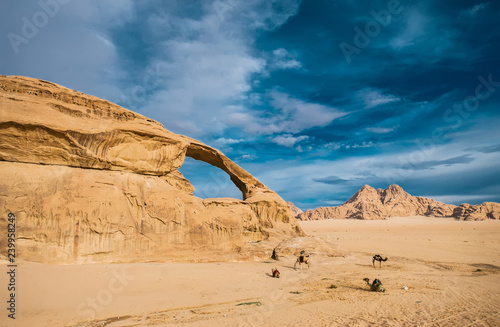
(209,181)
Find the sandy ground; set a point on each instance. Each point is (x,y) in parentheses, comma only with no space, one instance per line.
(451,269)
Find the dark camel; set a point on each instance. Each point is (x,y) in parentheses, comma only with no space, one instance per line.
(376,286)
(378,257)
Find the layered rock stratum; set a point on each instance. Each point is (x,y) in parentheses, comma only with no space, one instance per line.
(369,203)
(90,181)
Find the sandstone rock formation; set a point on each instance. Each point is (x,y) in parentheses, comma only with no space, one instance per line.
(486,210)
(296,211)
(91,181)
(369,203)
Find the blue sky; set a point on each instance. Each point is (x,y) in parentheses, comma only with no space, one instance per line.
(314,98)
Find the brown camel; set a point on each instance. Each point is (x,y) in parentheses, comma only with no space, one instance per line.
(275,272)
(378,257)
(302,260)
(376,286)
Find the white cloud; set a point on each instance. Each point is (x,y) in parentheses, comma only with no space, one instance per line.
(223,140)
(284,60)
(280,53)
(288,64)
(372,98)
(226,145)
(290,115)
(288,140)
(332,146)
(360,145)
(299,148)
(380,130)
(205,54)
(209,63)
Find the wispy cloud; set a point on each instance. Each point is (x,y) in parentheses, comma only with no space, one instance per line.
(331,180)
(290,115)
(431,164)
(225,141)
(373,98)
(380,130)
(416,23)
(488,149)
(246,157)
(472,11)
(288,140)
(430,35)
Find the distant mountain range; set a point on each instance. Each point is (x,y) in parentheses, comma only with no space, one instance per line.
(369,203)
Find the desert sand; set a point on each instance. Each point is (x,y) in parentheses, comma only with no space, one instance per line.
(450,268)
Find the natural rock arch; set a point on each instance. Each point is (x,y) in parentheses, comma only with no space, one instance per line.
(90,181)
(245,182)
(209,181)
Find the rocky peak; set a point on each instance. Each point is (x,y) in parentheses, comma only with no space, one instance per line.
(365,194)
(393,193)
(394,189)
(369,203)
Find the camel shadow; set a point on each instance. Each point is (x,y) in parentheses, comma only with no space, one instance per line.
(363,265)
(270,275)
(367,265)
(357,288)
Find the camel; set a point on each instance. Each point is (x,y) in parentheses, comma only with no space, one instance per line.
(378,257)
(302,260)
(275,273)
(376,286)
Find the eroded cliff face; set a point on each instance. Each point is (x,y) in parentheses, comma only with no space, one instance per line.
(90,181)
